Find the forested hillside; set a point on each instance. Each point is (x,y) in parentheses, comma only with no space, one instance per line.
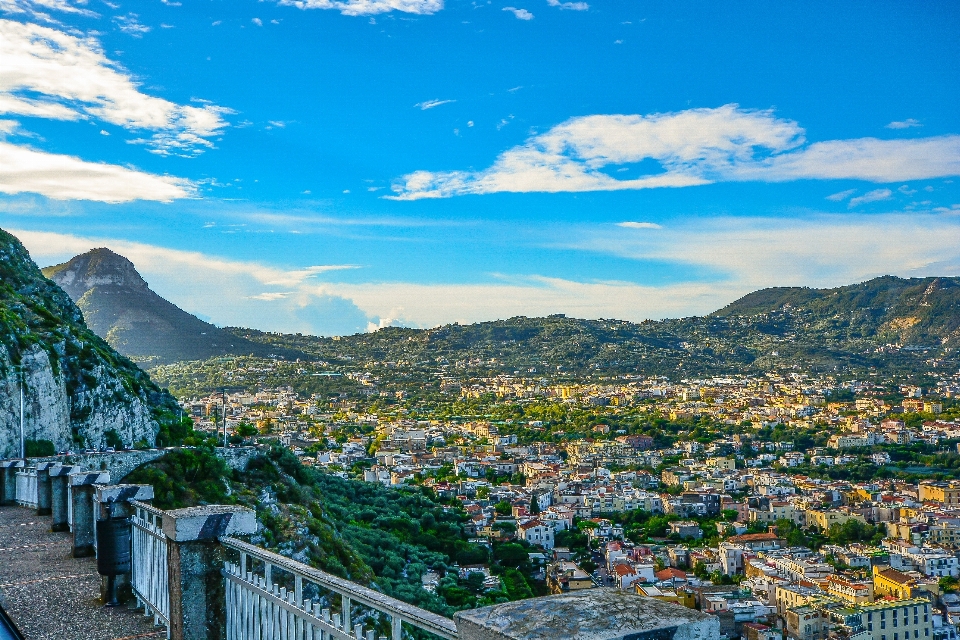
(382,537)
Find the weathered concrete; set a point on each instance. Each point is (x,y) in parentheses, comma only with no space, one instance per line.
(83,516)
(60,497)
(592,614)
(8,481)
(121,463)
(194,560)
(43,488)
(52,596)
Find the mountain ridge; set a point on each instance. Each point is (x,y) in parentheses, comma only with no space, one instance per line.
(121,308)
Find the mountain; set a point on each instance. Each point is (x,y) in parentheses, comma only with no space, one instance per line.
(908,311)
(120,307)
(78,391)
(889,323)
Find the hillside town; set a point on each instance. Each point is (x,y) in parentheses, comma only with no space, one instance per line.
(773,536)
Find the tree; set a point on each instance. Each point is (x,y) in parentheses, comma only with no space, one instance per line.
(245,430)
(503,508)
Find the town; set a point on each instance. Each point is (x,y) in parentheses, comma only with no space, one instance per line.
(786,504)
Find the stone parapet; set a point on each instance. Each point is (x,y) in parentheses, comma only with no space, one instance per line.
(591,614)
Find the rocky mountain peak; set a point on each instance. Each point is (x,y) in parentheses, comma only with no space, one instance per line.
(95,268)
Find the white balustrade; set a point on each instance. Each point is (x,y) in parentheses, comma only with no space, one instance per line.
(149,563)
(27,487)
(258,608)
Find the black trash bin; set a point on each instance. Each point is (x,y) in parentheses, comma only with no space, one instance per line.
(113,553)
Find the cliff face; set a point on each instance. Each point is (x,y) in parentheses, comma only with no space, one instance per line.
(76,388)
(121,308)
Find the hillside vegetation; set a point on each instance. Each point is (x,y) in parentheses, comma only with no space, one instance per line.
(385,538)
(895,324)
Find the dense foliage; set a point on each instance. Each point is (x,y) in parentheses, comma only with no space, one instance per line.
(362,531)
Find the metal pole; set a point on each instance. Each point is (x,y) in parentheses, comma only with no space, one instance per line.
(23,440)
(223,410)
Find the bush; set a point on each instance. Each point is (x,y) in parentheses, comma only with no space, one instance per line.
(39,448)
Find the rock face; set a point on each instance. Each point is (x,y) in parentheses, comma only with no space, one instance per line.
(76,388)
(121,308)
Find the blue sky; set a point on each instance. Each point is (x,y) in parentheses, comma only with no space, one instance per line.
(332,166)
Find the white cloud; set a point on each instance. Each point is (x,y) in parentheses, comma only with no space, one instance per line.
(37,9)
(639,225)
(369,7)
(904,124)
(230,292)
(430,104)
(842,195)
(130,24)
(871,196)
(693,147)
(65,177)
(574,6)
(744,254)
(821,250)
(521,14)
(51,74)
(257,21)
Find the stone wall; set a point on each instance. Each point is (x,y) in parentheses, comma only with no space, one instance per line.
(120,463)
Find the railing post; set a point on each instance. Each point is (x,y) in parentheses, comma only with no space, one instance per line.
(43,487)
(8,481)
(345,605)
(59,497)
(81,487)
(195,563)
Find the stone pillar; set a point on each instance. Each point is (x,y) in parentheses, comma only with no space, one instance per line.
(59,496)
(43,487)
(81,488)
(115,500)
(8,481)
(194,565)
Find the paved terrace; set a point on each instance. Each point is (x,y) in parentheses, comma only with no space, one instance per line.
(51,595)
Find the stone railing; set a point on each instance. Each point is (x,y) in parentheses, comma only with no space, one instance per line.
(193,576)
(292,600)
(26,487)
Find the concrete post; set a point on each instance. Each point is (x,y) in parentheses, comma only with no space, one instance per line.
(194,564)
(59,496)
(115,500)
(8,481)
(43,487)
(81,488)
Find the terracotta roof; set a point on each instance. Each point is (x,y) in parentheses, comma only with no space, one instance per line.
(671,573)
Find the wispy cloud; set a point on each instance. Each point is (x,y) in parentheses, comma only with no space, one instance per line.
(693,147)
(904,124)
(62,177)
(130,25)
(639,225)
(369,7)
(51,74)
(573,6)
(521,14)
(841,195)
(257,21)
(37,9)
(430,104)
(871,196)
